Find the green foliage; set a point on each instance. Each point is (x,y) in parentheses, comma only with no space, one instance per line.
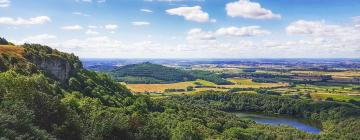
(90,106)
(186,130)
(139,80)
(189,88)
(338,118)
(3,41)
(158,72)
(209,76)
(147,73)
(99,86)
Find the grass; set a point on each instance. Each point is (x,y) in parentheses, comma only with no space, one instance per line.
(248,83)
(13,51)
(337,97)
(205,83)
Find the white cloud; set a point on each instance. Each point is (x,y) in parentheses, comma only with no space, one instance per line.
(92,26)
(305,27)
(190,13)
(327,40)
(40,39)
(322,29)
(111,27)
(72,27)
(242,31)
(197,35)
(91,32)
(140,23)
(4,3)
(251,10)
(146,10)
(356,19)
(21,21)
(81,14)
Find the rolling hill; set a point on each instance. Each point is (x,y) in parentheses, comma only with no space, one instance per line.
(147,73)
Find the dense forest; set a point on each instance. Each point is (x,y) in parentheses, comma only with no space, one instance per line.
(153,72)
(147,73)
(46,94)
(340,120)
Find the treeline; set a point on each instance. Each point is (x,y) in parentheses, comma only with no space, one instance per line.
(209,76)
(331,114)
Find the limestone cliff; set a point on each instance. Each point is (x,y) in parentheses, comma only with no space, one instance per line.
(56,66)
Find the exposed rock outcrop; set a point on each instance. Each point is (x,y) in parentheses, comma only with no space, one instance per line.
(56,66)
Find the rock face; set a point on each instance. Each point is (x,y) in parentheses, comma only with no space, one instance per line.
(58,67)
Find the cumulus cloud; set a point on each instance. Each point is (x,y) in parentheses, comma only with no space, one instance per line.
(242,31)
(334,40)
(322,29)
(146,10)
(72,27)
(4,3)
(111,27)
(305,27)
(91,32)
(251,10)
(190,13)
(140,23)
(197,35)
(21,21)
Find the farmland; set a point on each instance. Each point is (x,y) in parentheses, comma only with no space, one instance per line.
(206,85)
(334,82)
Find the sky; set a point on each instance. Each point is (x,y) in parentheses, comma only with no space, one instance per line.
(187,28)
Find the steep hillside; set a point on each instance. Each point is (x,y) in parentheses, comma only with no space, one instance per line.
(62,68)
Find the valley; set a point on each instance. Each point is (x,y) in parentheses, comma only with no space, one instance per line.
(333,81)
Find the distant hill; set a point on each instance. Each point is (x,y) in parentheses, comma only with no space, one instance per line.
(147,73)
(150,73)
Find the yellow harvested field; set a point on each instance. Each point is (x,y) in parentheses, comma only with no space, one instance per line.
(240,83)
(335,74)
(247,83)
(158,87)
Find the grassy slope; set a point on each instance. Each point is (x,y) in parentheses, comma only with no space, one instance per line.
(13,51)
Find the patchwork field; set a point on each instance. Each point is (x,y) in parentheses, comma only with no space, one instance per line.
(158,87)
(239,83)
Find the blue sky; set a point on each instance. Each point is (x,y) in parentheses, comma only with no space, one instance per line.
(187,28)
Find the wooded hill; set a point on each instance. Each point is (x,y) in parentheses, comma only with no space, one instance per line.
(147,73)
